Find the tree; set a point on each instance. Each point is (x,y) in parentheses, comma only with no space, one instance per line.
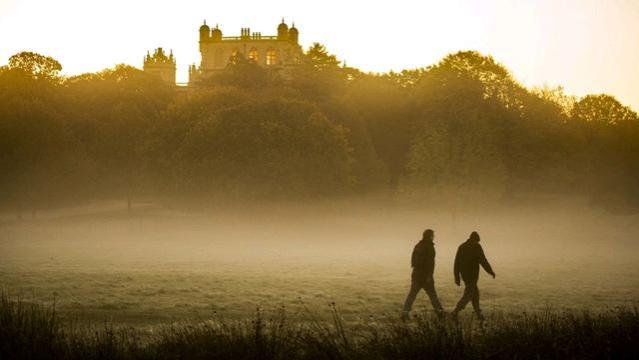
(36,65)
(557,96)
(241,72)
(318,76)
(318,57)
(458,147)
(113,111)
(273,148)
(603,109)
(318,128)
(496,80)
(36,152)
(389,117)
(611,134)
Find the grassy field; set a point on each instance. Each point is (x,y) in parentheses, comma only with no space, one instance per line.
(313,283)
(33,331)
(157,266)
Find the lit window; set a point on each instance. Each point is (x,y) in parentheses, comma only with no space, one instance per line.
(253,55)
(235,56)
(271,57)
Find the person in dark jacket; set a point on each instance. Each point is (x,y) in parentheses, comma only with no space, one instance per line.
(423,263)
(469,257)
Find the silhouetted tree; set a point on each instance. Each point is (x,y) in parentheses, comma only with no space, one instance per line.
(35,65)
(459,140)
(611,132)
(241,72)
(319,77)
(389,115)
(319,58)
(602,109)
(463,125)
(265,148)
(113,111)
(35,146)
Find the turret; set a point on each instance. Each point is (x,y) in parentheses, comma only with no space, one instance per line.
(282,31)
(193,74)
(216,34)
(293,34)
(205,32)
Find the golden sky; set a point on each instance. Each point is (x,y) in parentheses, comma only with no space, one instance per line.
(587,46)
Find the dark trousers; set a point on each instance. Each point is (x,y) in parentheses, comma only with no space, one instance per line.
(471,294)
(429,286)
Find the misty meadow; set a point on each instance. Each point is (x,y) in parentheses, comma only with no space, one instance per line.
(254,215)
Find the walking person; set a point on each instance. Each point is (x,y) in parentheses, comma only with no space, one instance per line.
(423,264)
(470,256)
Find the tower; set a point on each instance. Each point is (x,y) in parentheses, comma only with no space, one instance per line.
(161,65)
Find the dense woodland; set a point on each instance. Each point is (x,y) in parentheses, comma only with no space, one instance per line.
(462,127)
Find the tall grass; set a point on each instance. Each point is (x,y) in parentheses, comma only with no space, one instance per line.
(32,331)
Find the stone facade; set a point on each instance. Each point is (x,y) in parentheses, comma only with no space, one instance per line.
(276,52)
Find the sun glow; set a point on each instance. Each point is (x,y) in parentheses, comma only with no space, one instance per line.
(585,46)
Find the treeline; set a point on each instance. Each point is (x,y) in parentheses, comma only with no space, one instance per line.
(462,127)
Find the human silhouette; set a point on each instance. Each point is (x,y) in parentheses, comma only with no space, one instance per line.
(423,263)
(469,256)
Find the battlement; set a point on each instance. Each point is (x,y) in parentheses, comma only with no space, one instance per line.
(283,34)
(159,57)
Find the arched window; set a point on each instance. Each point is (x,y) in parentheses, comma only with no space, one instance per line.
(235,56)
(253,55)
(271,57)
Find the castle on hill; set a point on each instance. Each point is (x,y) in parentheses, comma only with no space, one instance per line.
(275,52)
